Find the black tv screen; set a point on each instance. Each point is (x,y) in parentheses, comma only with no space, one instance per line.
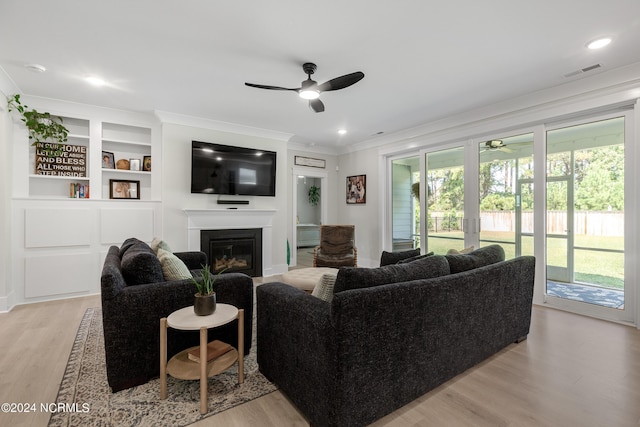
(223,169)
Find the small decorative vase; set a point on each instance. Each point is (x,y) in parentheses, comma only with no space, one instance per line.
(204,305)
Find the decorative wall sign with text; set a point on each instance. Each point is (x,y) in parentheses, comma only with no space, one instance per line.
(60,159)
(309,161)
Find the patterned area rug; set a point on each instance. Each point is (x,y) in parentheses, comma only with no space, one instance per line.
(589,294)
(85,384)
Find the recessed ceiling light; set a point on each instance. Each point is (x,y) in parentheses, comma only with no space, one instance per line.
(599,43)
(36,68)
(342,131)
(96,81)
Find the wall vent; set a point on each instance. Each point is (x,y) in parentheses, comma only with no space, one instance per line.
(583,70)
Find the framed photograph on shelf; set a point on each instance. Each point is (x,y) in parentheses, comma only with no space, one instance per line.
(134,164)
(124,189)
(146,163)
(108,160)
(356,189)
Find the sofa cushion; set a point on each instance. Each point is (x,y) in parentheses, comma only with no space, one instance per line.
(423,268)
(478,258)
(172,267)
(388,258)
(140,265)
(324,288)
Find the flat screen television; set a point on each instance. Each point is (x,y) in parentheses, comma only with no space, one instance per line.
(223,169)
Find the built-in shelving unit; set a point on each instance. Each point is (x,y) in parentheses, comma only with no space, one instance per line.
(123,141)
(58,234)
(55,186)
(127,143)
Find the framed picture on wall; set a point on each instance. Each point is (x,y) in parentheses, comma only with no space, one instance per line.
(356,189)
(123,189)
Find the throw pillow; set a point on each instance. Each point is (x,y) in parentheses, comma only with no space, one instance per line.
(424,268)
(158,243)
(172,267)
(414,258)
(388,258)
(324,288)
(140,265)
(458,252)
(478,258)
(127,244)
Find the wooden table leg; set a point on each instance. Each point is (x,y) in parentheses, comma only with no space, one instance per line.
(163,358)
(203,370)
(241,346)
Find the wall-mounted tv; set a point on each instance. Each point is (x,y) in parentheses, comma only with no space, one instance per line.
(223,169)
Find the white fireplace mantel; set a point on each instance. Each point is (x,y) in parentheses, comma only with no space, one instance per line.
(221,219)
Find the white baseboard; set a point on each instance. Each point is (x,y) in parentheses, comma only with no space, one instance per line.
(7,302)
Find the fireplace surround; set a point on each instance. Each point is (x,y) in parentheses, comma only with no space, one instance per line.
(234,219)
(233,250)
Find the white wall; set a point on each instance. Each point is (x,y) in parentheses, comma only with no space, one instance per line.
(176,184)
(6,132)
(367,216)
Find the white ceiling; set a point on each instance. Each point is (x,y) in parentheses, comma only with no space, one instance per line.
(422,60)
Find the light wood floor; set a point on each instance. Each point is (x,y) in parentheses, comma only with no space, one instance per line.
(572,371)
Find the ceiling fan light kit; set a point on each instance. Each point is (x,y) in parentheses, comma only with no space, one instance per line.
(310,89)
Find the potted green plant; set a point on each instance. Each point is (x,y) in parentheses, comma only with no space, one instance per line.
(42,127)
(314,195)
(205,299)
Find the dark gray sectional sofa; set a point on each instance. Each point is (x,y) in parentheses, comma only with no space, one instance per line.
(132,309)
(379,345)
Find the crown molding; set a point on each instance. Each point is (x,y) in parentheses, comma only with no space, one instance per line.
(7,86)
(315,148)
(608,89)
(199,122)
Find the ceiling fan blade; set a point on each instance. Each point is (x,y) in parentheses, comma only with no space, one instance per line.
(341,82)
(316,105)
(271,87)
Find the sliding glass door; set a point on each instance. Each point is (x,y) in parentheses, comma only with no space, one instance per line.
(444,200)
(405,203)
(506,194)
(482,192)
(585,198)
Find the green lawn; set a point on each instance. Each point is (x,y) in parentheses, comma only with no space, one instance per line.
(593,267)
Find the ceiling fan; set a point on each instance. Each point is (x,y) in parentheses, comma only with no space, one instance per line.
(496,144)
(310,89)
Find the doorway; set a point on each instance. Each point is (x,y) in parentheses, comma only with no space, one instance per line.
(309,213)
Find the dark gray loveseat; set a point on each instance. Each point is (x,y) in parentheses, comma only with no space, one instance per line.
(374,349)
(131,313)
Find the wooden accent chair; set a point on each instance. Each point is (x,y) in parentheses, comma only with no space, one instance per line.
(337,247)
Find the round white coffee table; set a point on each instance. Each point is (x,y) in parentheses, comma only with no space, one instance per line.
(181,367)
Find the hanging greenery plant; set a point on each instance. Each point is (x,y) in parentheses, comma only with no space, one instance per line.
(43,127)
(415,190)
(314,195)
